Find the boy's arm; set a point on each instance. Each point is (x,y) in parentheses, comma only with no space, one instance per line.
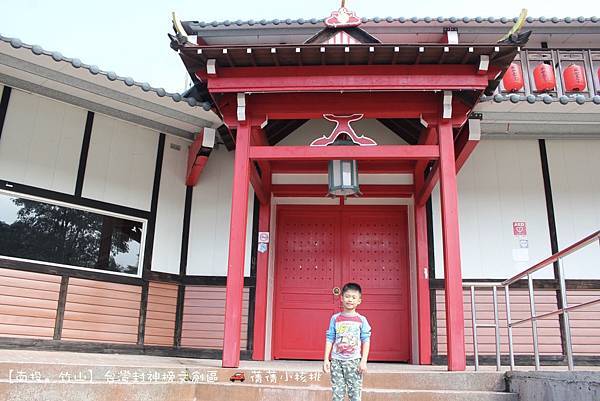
(326,363)
(329,339)
(365,355)
(365,338)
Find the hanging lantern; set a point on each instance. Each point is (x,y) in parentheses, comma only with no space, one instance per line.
(343,175)
(513,78)
(544,78)
(574,76)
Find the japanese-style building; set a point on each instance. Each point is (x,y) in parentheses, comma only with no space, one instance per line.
(211,223)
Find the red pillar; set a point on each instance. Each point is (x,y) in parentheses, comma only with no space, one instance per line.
(237,249)
(423,308)
(455,325)
(262,276)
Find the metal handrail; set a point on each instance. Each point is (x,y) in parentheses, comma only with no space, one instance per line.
(534,317)
(559,255)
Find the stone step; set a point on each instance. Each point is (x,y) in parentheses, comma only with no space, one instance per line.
(123,374)
(102,391)
(246,392)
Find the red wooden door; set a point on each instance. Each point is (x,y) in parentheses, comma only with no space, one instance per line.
(319,248)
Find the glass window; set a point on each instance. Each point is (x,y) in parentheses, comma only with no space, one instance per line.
(40,231)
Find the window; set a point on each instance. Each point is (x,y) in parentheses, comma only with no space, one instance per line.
(49,232)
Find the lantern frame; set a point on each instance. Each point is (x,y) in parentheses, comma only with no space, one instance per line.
(342,175)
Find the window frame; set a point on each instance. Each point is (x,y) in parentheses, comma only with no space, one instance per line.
(144,222)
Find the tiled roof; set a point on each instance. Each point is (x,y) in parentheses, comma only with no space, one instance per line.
(315,21)
(547,99)
(110,75)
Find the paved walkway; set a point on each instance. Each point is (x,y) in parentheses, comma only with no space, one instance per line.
(76,358)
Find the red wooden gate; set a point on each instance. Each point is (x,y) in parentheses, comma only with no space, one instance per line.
(319,248)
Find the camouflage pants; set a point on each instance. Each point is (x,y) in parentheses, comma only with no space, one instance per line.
(346,378)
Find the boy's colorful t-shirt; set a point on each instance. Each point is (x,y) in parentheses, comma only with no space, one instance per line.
(347,333)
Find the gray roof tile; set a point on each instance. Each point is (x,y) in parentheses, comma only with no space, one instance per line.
(466,20)
(546,98)
(95,70)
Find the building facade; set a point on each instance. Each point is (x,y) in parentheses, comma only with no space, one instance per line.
(115,236)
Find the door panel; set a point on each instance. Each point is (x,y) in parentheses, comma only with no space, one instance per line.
(307,266)
(375,255)
(322,247)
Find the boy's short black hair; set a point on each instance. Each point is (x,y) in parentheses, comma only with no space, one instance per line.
(351,287)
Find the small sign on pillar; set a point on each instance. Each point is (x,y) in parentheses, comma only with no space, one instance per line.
(263,241)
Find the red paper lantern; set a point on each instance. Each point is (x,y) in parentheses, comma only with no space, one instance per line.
(574,78)
(513,78)
(544,78)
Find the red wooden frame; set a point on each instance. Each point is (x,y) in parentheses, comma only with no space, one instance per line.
(464,146)
(422,266)
(388,91)
(282,106)
(386,152)
(262,277)
(450,233)
(237,248)
(368,191)
(347,78)
(196,161)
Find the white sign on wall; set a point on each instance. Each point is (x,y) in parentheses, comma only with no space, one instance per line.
(520,252)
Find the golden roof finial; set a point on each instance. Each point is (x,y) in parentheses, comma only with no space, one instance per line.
(343,4)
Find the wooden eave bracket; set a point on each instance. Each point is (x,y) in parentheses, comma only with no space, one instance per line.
(198,154)
(447,105)
(450,36)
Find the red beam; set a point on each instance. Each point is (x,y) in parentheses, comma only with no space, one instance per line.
(429,137)
(259,187)
(196,161)
(320,190)
(345,78)
(280,106)
(259,138)
(455,323)
(320,166)
(466,142)
(237,251)
(384,152)
(464,146)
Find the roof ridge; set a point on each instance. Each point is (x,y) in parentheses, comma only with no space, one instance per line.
(546,98)
(95,70)
(389,19)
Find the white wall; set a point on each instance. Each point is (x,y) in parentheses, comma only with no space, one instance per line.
(211,210)
(121,163)
(171,204)
(41,142)
(500,183)
(575,178)
(314,129)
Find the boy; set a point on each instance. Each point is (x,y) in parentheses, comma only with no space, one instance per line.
(347,331)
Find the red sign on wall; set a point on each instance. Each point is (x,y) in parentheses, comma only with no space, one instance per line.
(519,228)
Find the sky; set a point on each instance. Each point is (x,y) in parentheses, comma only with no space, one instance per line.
(129,37)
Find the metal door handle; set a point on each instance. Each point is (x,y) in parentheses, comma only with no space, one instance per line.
(336,291)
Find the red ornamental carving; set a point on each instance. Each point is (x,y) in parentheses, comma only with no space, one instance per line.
(342,18)
(574,78)
(544,78)
(343,127)
(513,78)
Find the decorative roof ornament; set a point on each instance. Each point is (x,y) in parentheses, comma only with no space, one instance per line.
(342,18)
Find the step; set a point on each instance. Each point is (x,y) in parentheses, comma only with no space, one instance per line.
(129,373)
(246,392)
(102,391)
